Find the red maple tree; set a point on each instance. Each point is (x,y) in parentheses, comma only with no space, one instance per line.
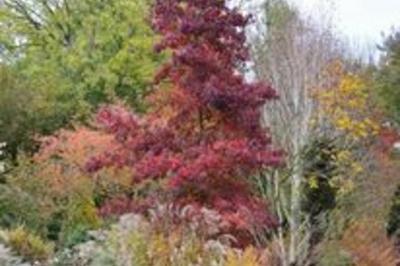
(203,135)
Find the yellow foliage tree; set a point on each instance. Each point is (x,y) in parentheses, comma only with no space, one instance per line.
(345,112)
(345,103)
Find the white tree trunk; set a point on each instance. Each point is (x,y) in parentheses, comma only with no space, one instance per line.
(291,57)
(295,219)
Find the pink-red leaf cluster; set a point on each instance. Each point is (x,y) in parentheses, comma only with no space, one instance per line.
(204,140)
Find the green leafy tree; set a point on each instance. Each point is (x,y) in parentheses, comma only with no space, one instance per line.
(100,48)
(67,58)
(388,78)
(26,111)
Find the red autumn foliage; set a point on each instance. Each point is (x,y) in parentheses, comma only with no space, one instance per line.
(203,138)
(387,138)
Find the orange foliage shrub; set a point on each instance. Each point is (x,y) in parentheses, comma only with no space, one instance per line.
(366,241)
(66,196)
(62,159)
(380,180)
(74,146)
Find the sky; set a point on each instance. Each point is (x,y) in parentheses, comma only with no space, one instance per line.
(362,20)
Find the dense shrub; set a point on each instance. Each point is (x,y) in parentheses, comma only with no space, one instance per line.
(18,207)
(333,254)
(365,240)
(52,194)
(27,245)
(170,236)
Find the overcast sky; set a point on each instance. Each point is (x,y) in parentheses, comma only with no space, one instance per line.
(363,20)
